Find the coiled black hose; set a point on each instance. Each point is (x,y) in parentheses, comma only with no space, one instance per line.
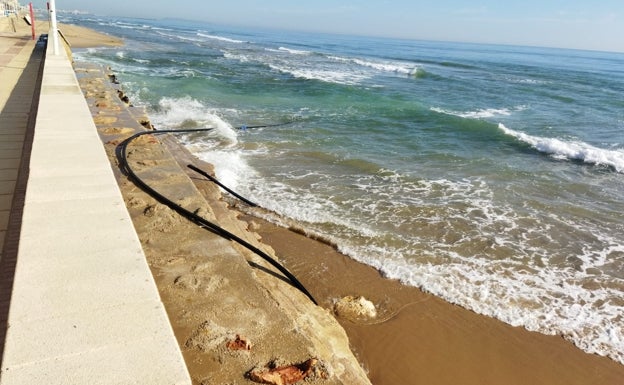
(121,152)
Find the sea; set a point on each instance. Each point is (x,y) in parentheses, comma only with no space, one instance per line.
(489,175)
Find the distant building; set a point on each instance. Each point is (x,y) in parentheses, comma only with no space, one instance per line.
(10,7)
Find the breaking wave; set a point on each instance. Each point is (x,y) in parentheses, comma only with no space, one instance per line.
(571,150)
(481,113)
(186,112)
(220,38)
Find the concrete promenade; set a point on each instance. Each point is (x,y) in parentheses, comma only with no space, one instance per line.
(19,68)
(78,297)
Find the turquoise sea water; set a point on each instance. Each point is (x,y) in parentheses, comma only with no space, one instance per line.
(492,176)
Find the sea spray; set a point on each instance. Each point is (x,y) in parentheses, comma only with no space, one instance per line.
(190,113)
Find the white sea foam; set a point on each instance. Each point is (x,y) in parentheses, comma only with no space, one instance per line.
(381,66)
(176,113)
(161,29)
(220,38)
(294,51)
(526,81)
(240,57)
(407,69)
(325,75)
(126,26)
(331,69)
(123,55)
(232,167)
(572,150)
(480,113)
(177,36)
(229,163)
(298,69)
(121,65)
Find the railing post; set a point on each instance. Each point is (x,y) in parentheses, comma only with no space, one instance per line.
(53,28)
(32,20)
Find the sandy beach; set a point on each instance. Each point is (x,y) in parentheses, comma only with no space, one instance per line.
(76,36)
(214,291)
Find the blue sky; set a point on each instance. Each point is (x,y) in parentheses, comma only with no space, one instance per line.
(584,24)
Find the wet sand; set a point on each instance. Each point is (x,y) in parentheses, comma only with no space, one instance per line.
(415,339)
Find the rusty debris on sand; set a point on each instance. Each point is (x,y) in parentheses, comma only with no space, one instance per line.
(239,343)
(284,375)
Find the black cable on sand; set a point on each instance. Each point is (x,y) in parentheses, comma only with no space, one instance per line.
(121,152)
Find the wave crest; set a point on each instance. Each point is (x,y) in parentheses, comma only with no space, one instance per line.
(570,150)
(220,38)
(186,112)
(294,51)
(479,114)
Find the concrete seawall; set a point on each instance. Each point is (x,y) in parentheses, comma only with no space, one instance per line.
(84,307)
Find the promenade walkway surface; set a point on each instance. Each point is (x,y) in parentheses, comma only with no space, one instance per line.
(76,292)
(19,66)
